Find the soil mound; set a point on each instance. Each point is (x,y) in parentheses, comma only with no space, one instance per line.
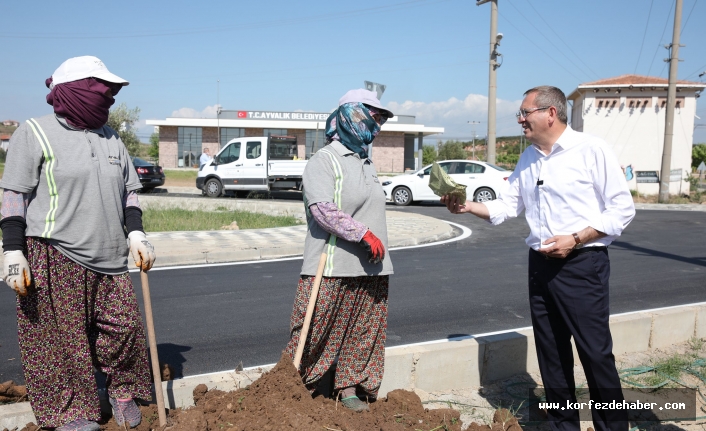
(12,393)
(278,401)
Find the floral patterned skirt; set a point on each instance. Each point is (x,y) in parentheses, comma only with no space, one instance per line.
(349,322)
(73,320)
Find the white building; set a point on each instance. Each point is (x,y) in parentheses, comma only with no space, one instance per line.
(628,111)
(181,140)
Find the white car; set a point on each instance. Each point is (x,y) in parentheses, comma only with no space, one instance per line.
(483,182)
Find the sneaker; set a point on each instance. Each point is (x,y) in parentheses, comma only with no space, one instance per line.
(354,403)
(80,425)
(126,411)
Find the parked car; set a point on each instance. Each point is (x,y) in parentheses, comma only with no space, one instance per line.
(483,182)
(151,176)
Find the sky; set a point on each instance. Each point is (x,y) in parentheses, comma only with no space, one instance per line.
(183,58)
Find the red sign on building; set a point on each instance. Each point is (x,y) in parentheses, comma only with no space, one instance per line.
(242,114)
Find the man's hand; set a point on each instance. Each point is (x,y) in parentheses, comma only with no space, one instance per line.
(374,247)
(561,246)
(454,205)
(141,249)
(17,274)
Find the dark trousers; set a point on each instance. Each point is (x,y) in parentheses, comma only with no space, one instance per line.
(569,298)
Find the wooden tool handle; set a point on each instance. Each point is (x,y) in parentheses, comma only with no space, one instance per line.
(310,311)
(156,372)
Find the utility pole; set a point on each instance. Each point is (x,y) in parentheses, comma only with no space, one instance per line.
(671,102)
(474,136)
(492,78)
(218,115)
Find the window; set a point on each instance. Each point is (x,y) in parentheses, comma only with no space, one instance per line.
(497,168)
(188,146)
(678,103)
(638,102)
(607,102)
(444,167)
(315,140)
(228,133)
(253,149)
(468,168)
(230,154)
(282,150)
(275,132)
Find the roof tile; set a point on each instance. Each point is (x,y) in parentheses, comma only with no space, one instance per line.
(630,79)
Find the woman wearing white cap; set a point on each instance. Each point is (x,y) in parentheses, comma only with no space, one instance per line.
(345,207)
(69,197)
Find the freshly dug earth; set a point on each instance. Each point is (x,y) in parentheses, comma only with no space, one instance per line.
(12,393)
(278,401)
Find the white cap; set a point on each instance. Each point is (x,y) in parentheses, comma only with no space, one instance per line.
(84,67)
(364,96)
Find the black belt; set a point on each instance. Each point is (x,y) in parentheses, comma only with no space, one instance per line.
(574,252)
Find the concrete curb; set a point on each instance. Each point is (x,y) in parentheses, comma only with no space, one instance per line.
(671,207)
(264,206)
(454,363)
(404,229)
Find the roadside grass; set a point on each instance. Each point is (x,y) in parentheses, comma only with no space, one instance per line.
(180,174)
(180,177)
(675,369)
(177,219)
(693,198)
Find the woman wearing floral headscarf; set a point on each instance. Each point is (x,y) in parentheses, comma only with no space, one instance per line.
(345,207)
(68,201)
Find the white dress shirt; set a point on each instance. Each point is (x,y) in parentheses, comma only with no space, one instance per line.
(205,158)
(580,185)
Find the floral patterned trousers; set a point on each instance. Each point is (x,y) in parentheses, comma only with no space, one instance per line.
(349,321)
(72,320)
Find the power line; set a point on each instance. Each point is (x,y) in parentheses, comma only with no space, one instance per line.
(642,45)
(562,39)
(308,66)
(660,39)
(538,47)
(543,35)
(699,70)
(228,28)
(681,32)
(687,18)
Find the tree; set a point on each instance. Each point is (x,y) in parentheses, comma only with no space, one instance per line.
(154,146)
(122,120)
(451,150)
(698,155)
(428,155)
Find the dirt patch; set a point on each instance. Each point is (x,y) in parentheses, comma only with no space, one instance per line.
(478,404)
(279,401)
(12,393)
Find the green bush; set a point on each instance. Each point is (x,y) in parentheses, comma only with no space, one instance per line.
(698,154)
(451,150)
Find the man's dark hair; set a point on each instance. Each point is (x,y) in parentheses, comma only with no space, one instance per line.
(547,95)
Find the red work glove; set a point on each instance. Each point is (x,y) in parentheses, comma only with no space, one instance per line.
(374,247)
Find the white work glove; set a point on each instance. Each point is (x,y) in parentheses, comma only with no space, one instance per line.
(141,249)
(17,274)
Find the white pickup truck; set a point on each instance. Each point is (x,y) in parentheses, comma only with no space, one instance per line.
(252,163)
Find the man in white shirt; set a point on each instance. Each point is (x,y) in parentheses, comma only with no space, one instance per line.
(205,157)
(576,202)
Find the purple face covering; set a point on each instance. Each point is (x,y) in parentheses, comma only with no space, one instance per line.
(84,103)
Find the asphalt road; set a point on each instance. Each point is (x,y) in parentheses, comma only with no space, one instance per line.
(210,319)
